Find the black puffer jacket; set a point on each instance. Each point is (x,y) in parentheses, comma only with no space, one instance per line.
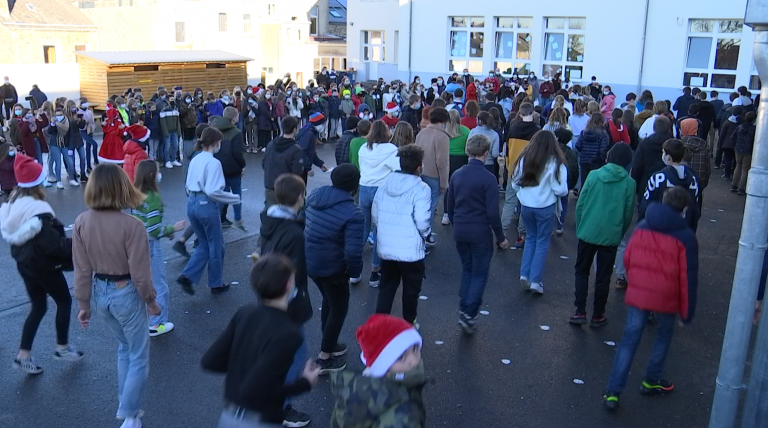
(231,153)
(37,238)
(283,156)
(647,160)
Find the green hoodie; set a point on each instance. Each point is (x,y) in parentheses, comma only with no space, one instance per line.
(368,402)
(606,206)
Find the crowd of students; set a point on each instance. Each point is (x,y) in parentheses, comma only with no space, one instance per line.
(400,148)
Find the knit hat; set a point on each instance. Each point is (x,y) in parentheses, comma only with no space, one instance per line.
(689,126)
(28,172)
(316,118)
(392,107)
(359,89)
(345,177)
(345,92)
(138,132)
(621,155)
(384,339)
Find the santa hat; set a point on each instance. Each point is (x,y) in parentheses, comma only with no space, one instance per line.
(316,118)
(28,172)
(392,107)
(137,132)
(384,339)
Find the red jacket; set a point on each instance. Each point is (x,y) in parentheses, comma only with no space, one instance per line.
(356,101)
(471,92)
(617,134)
(495,82)
(469,122)
(133,155)
(391,122)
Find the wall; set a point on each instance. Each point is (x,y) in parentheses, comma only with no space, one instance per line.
(123,28)
(378,15)
(26,46)
(55,80)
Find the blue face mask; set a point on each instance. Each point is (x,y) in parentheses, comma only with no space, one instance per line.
(159,177)
(294,294)
(225,99)
(11,153)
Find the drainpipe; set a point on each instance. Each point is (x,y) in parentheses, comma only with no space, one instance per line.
(752,246)
(642,50)
(410,36)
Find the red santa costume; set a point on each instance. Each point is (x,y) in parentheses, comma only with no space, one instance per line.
(111,149)
(393,108)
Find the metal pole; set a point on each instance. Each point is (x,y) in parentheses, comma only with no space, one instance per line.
(755,413)
(752,245)
(639,89)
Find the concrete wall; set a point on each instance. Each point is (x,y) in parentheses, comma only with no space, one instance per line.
(26,46)
(55,80)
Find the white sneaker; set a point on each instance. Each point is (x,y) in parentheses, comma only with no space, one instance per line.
(47,183)
(162,328)
(445,220)
(524,282)
(68,354)
(27,365)
(168,165)
(59,185)
(74,183)
(537,287)
(131,423)
(355,280)
(176,163)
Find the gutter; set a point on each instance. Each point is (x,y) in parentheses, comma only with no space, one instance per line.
(642,50)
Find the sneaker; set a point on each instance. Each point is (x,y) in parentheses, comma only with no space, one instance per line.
(741,193)
(131,423)
(186,285)
(370,238)
(69,354)
(293,418)
(47,184)
(656,387)
(445,221)
(621,282)
(524,282)
(416,325)
(168,165)
(356,280)
(431,240)
(74,183)
(734,189)
(559,230)
(598,322)
(375,279)
(331,365)
(578,318)
(611,401)
(51,180)
(339,350)
(220,290)
(59,185)
(467,323)
(83,178)
(717,166)
(162,328)
(520,242)
(537,287)
(27,365)
(427,250)
(238,224)
(176,163)
(263,149)
(225,224)
(180,248)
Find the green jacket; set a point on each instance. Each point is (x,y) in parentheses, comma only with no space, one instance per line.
(387,402)
(151,214)
(354,149)
(169,120)
(606,206)
(458,144)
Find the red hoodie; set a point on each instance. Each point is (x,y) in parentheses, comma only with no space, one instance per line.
(618,134)
(134,154)
(471,92)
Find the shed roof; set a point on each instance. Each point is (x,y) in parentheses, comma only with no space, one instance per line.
(162,57)
(50,14)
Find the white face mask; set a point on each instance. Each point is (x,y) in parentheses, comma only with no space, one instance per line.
(315,98)
(418,81)
(664,157)
(188,100)
(439,81)
(225,99)
(346,97)
(216,150)
(268,96)
(606,92)
(84,105)
(159,177)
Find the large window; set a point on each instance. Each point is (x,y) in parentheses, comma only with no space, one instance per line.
(313,21)
(712,53)
(222,22)
(180,34)
(373,46)
(513,40)
(466,43)
(49,54)
(564,42)
(247,23)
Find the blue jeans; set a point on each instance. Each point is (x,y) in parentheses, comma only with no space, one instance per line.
(434,186)
(126,315)
(153,148)
(475,264)
(81,154)
(205,218)
(299,360)
(367,193)
(170,146)
(511,211)
(564,204)
(38,151)
(233,184)
(538,223)
(159,281)
(54,162)
(91,148)
(633,333)
(619,264)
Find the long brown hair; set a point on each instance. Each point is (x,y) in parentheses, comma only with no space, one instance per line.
(596,122)
(579,108)
(4,149)
(403,134)
(542,149)
(145,179)
(109,189)
(379,133)
(558,115)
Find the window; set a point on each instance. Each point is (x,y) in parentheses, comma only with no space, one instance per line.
(79,48)
(180,34)
(271,9)
(267,70)
(712,54)
(247,23)
(86,5)
(49,54)
(754,80)
(564,41)
(222,22)
(313,21)
(466,43)
(373,46)
(513,45)
(335,14)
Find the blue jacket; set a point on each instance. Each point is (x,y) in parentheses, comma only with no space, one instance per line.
(306,139)
(333,107)
(592,147)
(214,109)
(333,234)
(473,204)
(152,122)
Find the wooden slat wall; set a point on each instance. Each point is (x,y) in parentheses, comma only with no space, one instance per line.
(93,81)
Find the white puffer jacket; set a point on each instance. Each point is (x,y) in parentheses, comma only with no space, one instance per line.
(401,212)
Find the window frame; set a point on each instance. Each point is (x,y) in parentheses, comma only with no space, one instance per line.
(710,71)
(222,28)
(247,23)
(516,30)
(313,21)
(183,32)
(470,62)
(46,58)
(564,64)
(370,45)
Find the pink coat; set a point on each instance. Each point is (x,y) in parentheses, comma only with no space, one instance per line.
(607,105)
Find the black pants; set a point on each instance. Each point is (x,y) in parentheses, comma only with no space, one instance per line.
(454,163)
(605,259)
(586,168)
(335,291)
(8,107)
(39,285)
(729,161)
(265,136)
(412,274)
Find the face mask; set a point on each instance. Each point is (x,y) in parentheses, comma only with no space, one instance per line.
(216,150)
(123,105)
(11,153)
(188,100)
(664,158)
(237,94)
(159,177)
(73,109)
(334,94)
(268,96)
(250,91)
(294,293)
(434,87)
(606,92)
(346,97)
(288,92)
(17,112)
(199,96)
(466,73)
(362,115)
(418,81)
(29,117)
(315,98)
(439,81)
(397,113)
(490,74)
(84,105)
(59,118)
(7,81)
(498,72)
(163,97)
(225,99)
(252,102)
(416,106)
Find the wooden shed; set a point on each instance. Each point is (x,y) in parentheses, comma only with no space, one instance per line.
(103,74)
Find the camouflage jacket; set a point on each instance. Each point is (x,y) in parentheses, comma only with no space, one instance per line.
(393,401)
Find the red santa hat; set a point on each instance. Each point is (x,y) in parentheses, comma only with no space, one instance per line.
(138,132)
(392,107)
(28,172)
(384,339)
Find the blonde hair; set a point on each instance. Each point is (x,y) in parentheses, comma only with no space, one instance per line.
(454,123)
(403,134)
(37,192)
(559,102)
(558,115)
(660,107)
(109,189)
(593,107)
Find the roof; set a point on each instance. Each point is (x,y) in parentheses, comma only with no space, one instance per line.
(162,57)
(337,12)
(48,14)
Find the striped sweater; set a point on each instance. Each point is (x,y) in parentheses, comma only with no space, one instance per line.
(151,213)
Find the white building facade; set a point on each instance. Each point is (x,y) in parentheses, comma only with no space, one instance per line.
(632,45)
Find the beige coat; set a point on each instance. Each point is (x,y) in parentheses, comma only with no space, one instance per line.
(434,140)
